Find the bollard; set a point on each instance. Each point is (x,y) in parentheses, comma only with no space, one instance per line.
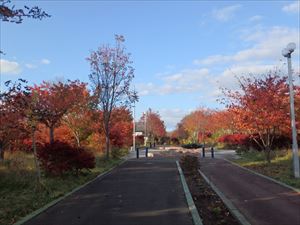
(137,153)
(212,152)
(146,152)
(203,152)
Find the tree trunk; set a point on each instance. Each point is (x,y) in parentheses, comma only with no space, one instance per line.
(77,140)
(107,145)
(37,167)
(107,134)
(51,134)
(1,152)
(268,154)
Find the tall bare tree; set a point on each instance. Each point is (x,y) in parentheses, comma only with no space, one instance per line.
(111,76)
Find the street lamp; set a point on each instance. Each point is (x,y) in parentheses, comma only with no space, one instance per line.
(286,52)
(133,131)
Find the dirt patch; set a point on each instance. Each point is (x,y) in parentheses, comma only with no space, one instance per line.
(209,205)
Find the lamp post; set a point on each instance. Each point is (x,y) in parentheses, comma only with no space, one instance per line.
(286,52)
(133,135)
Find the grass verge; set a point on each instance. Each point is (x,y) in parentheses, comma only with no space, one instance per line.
(280,168)
(18,194)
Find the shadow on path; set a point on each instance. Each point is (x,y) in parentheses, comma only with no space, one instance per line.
(139,192)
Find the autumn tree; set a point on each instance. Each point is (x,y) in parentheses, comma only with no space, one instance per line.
(111,76)
(79,116)
(9,13)
(18,117)
(197,124)
(179,133)
(260,108)
(11,127)
(121,128)
(55,100)
(154,126)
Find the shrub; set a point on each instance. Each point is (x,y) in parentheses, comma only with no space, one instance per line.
(234,139)
(189,163)
(242,141)
(60,157)
(192,146)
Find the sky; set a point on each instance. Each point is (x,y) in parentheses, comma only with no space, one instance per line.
(183,52)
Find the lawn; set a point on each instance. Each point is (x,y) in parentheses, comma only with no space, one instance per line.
(18,193)
(280,168)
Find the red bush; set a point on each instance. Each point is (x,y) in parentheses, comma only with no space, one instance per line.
(60,157)
(234,139)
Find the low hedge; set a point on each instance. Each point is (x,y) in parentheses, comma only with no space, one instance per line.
(192,146)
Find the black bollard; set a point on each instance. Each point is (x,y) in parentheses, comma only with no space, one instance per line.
(203,152)
(146,152)
(137,153)
(212,152)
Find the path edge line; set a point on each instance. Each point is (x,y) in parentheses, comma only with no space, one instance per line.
(55,201)
(192,208)
(264,176)
(234,211)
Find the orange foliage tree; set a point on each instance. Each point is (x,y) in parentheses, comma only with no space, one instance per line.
(197,124)
(55,100)
(260,108)
(11,127)
(155,128)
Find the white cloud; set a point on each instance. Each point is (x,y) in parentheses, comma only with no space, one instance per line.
(267,46)
(246,69)
(172,116)
(9,67)
(292,7)
(226,13)
(203,84)
(30,66)
(45,61)
(185,81)
(145,89)
(255,18)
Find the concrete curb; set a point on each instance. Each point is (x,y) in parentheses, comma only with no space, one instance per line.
(235,212)
(195,215)
(264,176)
(54,202)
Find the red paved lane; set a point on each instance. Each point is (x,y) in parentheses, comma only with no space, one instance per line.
(261,201)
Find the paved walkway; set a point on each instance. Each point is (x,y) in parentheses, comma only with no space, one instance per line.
(139,192)
(261,201)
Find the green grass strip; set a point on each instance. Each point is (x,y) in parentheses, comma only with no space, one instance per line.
(54,202)
(234,211)
(195,215)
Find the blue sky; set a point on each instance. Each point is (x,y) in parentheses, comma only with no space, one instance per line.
(183,51)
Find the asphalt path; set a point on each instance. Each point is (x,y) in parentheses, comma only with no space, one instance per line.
(261,201)
(139,192)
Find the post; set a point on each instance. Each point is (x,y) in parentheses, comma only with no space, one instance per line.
(293,121)
(146,152)
(137,153)
(212,152)
(203,152)
(133,136)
